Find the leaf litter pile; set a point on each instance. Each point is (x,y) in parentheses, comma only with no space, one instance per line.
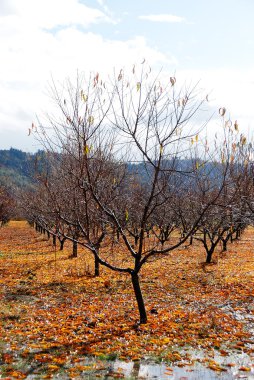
(54,314)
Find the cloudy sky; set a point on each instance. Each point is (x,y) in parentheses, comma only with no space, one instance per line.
(211,41)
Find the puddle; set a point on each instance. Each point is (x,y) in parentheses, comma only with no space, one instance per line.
(234,366)
(196,364)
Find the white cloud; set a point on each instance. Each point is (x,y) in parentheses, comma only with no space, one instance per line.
(229,88)
(7,7)
(43,38)
(31,52)
(162,18)
(104,7)
(49,14)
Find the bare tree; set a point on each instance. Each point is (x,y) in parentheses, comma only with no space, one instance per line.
(7,206)
(120,143)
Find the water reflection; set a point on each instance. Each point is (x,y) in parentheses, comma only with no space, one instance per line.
(198,371)
(231,366)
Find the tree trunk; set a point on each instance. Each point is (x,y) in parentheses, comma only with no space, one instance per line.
(96,267)
(75,249)
(209,255)
(61,244)
(139,297)
(136,370)
(224,245)
(54,240)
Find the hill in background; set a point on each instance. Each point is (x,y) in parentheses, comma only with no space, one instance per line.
(17,168)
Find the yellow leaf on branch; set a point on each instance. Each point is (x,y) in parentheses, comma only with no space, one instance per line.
(90,119)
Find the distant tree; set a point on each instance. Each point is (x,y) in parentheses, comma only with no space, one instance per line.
(228,168)
(7,206)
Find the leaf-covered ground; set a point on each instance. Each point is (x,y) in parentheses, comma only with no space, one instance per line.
(54,314)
